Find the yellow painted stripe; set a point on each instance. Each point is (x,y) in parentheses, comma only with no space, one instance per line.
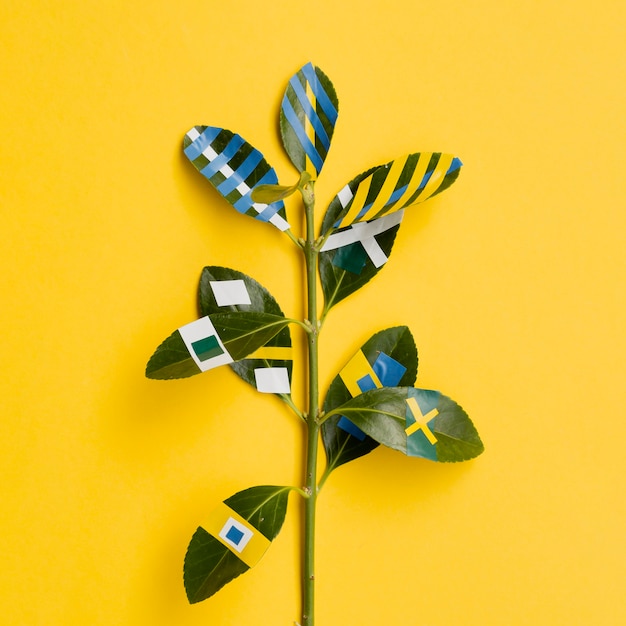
(359,200)
(279,353)
(357,367)
(416,178)
(387,189)
(256,546)
(310,131)
(445,160)
(421,421)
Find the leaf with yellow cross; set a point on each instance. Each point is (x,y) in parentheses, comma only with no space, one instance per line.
(418,422)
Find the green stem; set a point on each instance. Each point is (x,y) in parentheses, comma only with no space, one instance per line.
(310,255)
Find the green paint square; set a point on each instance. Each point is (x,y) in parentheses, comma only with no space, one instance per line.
(207,348)
(351,258)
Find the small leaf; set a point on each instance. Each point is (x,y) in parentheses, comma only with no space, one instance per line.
(274,360)
(403,182)
(417,422)
(209,564)
(212,341)
(307,118)
(351,257)
(392,356)
(234,168)
(272,193)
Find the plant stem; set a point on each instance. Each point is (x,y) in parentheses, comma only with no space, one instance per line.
(310,254)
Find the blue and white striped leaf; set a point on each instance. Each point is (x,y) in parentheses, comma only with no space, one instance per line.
(234,168)
(403,182)
(308,116)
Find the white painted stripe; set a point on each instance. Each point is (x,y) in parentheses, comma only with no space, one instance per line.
(209,153)
(201,329)
(228,292)
(362,231)
(375,252)
(272,380)
(193,134)
(280,222)
(345,195)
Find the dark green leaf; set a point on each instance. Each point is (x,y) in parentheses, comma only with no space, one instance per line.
(209,564)
(385,415)
(261,301)
(397,343)
(307,118)
(350,258)
(240,332)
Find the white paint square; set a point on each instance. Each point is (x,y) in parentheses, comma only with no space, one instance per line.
(230,292)
(272,380)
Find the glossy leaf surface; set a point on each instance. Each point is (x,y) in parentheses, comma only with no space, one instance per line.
(234,167)
(260,300)
(240,332)
(352,256)
(408,180)
(307,119)
(209,564)
(342,443)
(445,432)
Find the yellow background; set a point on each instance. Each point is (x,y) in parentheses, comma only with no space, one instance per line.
(512,282)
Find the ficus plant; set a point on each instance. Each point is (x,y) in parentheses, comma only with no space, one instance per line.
(372,400)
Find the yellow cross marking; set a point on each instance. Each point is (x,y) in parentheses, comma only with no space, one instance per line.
(421,421)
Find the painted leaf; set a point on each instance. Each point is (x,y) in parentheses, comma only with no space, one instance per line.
(389,358)
(234,168)
(408,180)
(417,422)
(211,341)
(223,289)
(235,538)
(307,119)
(352,256)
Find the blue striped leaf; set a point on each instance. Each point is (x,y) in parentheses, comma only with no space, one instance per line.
(234,168)
(307,119)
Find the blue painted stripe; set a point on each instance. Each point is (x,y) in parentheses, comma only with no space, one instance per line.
(352,429)
(455,165)
(309,111)
(320,94)
(241,173)
(195,149)
(396,195)
(222,159)
(245,202)
(294,122)
(388,370)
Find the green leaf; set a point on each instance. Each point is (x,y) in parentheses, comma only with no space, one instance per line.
(351,257)
(386,415)
(209,564)
(307,119)
(409,180)
(273,193)
(261,301)
(342,442)
(241,333)
(234,167)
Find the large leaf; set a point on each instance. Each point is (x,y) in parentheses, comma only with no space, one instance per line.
(400,183)
(352,256)
(343,440)
(212,341)
(417,422)
(307,118)
(209,564)
(216,284)
(234,168)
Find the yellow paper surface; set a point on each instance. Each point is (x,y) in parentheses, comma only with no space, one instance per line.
(512,282)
